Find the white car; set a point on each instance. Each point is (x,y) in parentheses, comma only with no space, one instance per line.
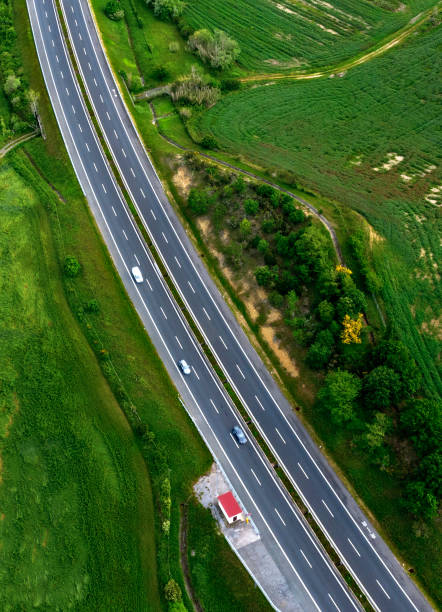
(184,366)
(136,273)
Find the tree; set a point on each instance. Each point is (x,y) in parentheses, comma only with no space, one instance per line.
(263,276)
(114,10)
(167,9)
(318,355)
(12,83)
(422,422)
(245,227)
(72,267)
(217,49)
(430,471)
(397,356)
(382,388)
(419,501)
(263,246)
(161,73)
(251,207)
(326,311)
(376,431)
(339,394)
(198,201)
(351,334)
(172,591)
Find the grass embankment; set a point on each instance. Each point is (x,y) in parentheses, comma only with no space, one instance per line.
(208,556)
(75,500)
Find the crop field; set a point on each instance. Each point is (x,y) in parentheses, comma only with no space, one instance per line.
(372,141)
(287,34)
(75,501)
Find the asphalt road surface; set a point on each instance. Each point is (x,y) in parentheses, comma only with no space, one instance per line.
(280,525)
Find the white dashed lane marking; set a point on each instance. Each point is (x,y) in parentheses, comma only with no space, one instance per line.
(280,517)
(257,479)
(224,344)
(206,313)
(385,592)
(328,508)
(193,290)
(277,431)
(114,211)
(302,470)
(354,547)
(164,236)
(125,235)
(257,399)
(240,371)
(176,259)
(308,562)
(179,343)
(213,404)
(164,314)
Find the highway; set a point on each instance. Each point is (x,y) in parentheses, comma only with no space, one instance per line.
(320,587)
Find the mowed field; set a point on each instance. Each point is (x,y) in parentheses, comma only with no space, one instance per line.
(370,140)
(76,511)
(287,34)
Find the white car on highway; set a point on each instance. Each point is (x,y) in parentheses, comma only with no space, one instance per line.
(184,366)
(136,273)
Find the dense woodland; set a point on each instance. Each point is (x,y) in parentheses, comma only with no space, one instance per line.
(372,386)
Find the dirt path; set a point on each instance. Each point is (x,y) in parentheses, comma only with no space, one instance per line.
(184,562)
(314,211)
(13,143)
(400,36)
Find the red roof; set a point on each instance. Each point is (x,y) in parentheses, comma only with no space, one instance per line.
(229,504)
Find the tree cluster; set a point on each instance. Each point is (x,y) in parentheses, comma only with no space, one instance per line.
(114,10)
(167,9)
(22,102)
(195,89)
(214,48)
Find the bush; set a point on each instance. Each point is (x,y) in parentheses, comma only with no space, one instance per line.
(251,207)
(276,299)
(208,142)
(172,591)
(198,201)
(92,306)
(72,267)
(161,73)
(217,49)
(230,85)
(193,89)
(174,46)
(167,9)
(114,10)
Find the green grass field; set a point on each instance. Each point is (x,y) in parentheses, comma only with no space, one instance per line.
(370,140)
(209,555)
(290,34)
(76,508)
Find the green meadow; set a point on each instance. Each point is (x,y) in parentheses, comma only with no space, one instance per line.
(76,509)
(369,140)
(298,34)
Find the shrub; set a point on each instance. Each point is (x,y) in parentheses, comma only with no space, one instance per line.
(167,9)
(114,10)
(251,207)
(198,201)
(12,83)
(174,46)
(92,306)
(172,591)
(72,267)
(208,142)
(193,89)
(217,49)
(230,84)
(276,299)
(161,73)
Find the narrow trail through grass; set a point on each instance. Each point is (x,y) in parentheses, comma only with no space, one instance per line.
(379,49)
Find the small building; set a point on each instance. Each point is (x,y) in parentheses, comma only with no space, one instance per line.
(230,508)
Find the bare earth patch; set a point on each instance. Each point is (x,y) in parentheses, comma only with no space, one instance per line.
(183,180)
(282,354)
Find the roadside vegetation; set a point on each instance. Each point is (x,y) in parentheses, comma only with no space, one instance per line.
(322,335)
(108,454)
(75,501)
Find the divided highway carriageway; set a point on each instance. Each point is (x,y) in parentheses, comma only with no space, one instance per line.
(295,548)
